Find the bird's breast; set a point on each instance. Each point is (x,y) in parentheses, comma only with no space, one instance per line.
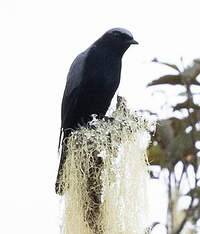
(103,72)
(100,82)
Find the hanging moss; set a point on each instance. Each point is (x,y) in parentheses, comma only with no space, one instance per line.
(106,175)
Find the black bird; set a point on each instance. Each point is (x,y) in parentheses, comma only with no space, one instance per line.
(92,81)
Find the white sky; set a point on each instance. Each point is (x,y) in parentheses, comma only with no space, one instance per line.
(38,42)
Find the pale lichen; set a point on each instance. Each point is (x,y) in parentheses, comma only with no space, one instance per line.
(106,176)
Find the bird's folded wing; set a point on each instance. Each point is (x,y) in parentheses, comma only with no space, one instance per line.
(72,91)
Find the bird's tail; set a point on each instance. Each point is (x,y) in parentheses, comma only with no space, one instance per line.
(60,137)
(60,185)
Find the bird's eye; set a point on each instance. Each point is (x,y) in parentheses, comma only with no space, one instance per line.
(116,34)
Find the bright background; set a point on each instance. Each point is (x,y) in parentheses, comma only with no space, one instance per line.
(38,41)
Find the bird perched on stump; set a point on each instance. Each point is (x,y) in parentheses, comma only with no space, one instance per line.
(92,81)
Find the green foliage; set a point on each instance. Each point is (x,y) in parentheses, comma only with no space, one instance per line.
(188,75)
(167,79)
(156,155)
(175,141)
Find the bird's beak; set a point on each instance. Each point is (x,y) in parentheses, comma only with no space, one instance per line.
(133,42)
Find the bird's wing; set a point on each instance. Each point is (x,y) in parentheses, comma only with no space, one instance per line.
(72,91)
(75,74)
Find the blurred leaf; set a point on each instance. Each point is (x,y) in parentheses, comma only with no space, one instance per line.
(167,79)
(164,132)
(155,60)
(191,72)
(197,135)
(178,125)
(194,192)
(188,75)
(174,143)
(195,115)
(186,105)
(197,61)
(181,147)
(156,155)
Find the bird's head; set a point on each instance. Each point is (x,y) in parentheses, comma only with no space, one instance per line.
(119,39)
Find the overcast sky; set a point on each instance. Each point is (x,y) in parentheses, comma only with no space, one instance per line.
(38,42)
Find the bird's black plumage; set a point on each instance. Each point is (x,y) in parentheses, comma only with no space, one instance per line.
(92,81)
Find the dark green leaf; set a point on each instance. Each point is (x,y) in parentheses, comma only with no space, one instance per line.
(186,105)
(167,79)
(167,64)
(156,155)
